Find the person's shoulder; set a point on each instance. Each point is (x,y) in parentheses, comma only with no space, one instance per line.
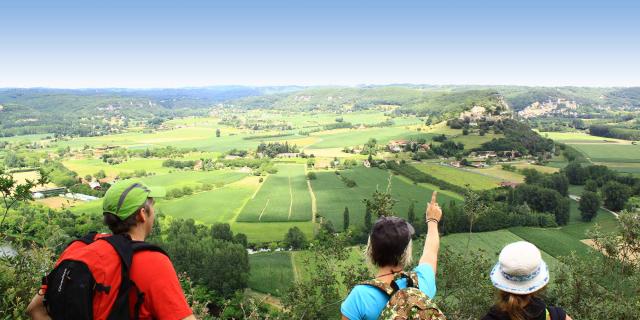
(152,258)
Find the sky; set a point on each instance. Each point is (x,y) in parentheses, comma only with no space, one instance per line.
(145,44)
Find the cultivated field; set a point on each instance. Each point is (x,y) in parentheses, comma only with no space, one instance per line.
(333,195)
(458,176)
(283,196)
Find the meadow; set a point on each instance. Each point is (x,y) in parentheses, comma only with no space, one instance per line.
(332,195)
(461,177)
(603,152)
(283,196)
(271,272)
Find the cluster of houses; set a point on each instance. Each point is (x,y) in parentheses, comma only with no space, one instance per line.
(396,146)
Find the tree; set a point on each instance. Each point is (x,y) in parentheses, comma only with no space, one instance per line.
(241,238)
(295,238)
(589,204)
(411,214)
(591,185)
(87,178)
(633,204)
(218,133)
(474,208)
(575,173)
(615,195)
(368,224)
(100,175)
(13,192)
(221,231)
(345,219)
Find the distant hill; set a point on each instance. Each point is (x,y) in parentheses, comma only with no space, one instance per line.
(407,99)
(97,111)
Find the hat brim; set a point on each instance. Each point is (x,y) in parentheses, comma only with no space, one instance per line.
(520,287)
(157,192)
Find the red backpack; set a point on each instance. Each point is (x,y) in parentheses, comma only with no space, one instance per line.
(91,279)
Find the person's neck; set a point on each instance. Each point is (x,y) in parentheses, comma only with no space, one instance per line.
(137,234)
(387,273)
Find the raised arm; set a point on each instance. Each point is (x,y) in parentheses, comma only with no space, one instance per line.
(432,241)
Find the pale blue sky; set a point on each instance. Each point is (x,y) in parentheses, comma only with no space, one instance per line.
(332,42)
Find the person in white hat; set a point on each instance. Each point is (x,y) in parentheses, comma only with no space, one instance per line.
(519,275)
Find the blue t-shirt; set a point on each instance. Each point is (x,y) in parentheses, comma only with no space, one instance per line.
(366,302)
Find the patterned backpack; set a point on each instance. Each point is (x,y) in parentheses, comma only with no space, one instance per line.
(406,304)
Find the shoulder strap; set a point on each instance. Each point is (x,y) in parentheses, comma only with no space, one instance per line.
(411,276)
(138,246)
(388,289)
(87,239)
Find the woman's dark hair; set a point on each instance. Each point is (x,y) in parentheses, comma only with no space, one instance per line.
(390,242)
(119,226)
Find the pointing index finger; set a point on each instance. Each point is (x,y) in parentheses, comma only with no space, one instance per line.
(433,197)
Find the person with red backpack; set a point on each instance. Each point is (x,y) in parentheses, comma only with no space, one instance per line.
(118,276)
(395,294)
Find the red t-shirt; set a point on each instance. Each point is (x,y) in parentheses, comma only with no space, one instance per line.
(154,275)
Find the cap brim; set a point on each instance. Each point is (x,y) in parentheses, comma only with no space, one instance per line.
(157,192)
(520,287)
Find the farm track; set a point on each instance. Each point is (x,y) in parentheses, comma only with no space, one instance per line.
(290,199)
(314,208)
(296,274)
(263,209)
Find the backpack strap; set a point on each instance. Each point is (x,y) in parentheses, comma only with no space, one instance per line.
(87,239)
(122,245)
(138,246)
(411,276)
(388,289)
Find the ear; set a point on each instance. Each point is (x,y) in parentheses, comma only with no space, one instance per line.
(142,215)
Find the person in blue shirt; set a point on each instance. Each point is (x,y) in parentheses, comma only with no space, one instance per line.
(389,249)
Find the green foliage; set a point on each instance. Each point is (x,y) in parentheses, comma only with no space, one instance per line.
(295,239)
(615,195)
(222,231)
(318,296)
(222,266)
(589,205)
(345,219)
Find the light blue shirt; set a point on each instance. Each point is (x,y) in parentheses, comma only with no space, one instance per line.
(365,302)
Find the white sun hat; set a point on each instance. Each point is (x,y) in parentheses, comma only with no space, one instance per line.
(520,269)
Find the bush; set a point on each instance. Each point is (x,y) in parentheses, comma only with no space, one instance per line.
(310,176)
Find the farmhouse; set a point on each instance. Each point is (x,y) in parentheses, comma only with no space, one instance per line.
(397,145)
(288,155)
(95,185)
(483,154)
(509,184)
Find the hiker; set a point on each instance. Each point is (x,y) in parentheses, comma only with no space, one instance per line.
(389,249)
(519,275)
(153,291)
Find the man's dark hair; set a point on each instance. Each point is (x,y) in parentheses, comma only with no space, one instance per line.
(119,226)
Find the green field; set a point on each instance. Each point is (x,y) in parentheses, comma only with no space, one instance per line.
(573,137)
(265,232)
(490,243)
(91,166)
(497,172)
(271,272)
(283,196)
(333,195)
(603,152)
(472,141)
(218,205)
(460,177)
(354,137)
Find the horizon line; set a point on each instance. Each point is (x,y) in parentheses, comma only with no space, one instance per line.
(312,86)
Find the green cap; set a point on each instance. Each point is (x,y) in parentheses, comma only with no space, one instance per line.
(124,198)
